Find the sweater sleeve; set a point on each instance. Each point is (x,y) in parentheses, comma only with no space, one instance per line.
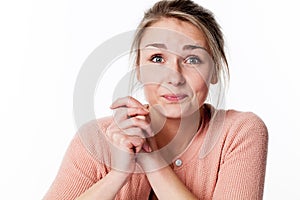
(77,173)
(243,163)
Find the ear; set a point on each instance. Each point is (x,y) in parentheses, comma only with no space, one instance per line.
(138,73)
(214,78)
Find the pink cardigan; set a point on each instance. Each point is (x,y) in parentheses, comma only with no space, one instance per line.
(233,169)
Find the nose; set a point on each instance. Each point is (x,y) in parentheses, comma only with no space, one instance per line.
(174,73)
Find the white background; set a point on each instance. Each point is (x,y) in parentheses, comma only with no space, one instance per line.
(44,43)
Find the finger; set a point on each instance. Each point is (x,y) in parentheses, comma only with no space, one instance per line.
(138,145)
(137,111)
(137,142)
(135,122)
(132,143)
(146,147)
(126,102)
(115,133)
(130,127)
(126,142)
(110,131)
(122,114)
(134,131)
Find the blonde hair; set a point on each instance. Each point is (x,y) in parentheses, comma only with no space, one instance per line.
(203,19)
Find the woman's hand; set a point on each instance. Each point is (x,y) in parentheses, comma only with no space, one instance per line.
(128,133)
(152,161)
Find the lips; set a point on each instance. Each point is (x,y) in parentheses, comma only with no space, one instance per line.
(174,97)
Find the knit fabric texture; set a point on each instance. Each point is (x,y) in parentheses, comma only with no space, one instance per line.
(233,168)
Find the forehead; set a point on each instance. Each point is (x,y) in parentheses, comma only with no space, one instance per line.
(174,33)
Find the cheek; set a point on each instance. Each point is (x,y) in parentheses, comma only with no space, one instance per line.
(199,86)
(153,73)
(148,91)
(200,89)
(199,78)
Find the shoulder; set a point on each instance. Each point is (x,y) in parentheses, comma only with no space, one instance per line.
(91,135)
(94,126)
(231,128)
(241,156)
(246,121)
(244,130)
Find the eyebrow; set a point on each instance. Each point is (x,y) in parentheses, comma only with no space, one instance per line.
(192,47)
(185,47)
(157,45)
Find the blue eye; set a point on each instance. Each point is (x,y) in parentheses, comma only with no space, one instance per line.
(157,59)
(193,60)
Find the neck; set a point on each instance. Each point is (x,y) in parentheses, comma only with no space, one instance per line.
(167,128)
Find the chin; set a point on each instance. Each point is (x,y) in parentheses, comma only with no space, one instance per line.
(176,111)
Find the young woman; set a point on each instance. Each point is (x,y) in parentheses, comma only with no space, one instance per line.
(177,146)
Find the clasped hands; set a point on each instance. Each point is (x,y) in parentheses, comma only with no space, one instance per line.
(131,138)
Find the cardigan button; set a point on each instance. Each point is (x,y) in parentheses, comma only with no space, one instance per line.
(178,162)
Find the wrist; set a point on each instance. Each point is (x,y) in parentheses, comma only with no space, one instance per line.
(120,175)
(151,162)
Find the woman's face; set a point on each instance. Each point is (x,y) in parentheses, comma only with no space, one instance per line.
(175,67)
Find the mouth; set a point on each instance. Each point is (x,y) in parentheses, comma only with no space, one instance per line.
(174,97)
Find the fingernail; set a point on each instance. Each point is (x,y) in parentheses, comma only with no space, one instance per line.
(140,117)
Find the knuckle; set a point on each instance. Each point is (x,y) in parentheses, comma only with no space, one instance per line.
(122,140)
(109,132)
(130,112)
(118,112)
(134,121)
(117,137)
(129,98)
(139,141)
(118,99)
(141,110)
(126,144)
